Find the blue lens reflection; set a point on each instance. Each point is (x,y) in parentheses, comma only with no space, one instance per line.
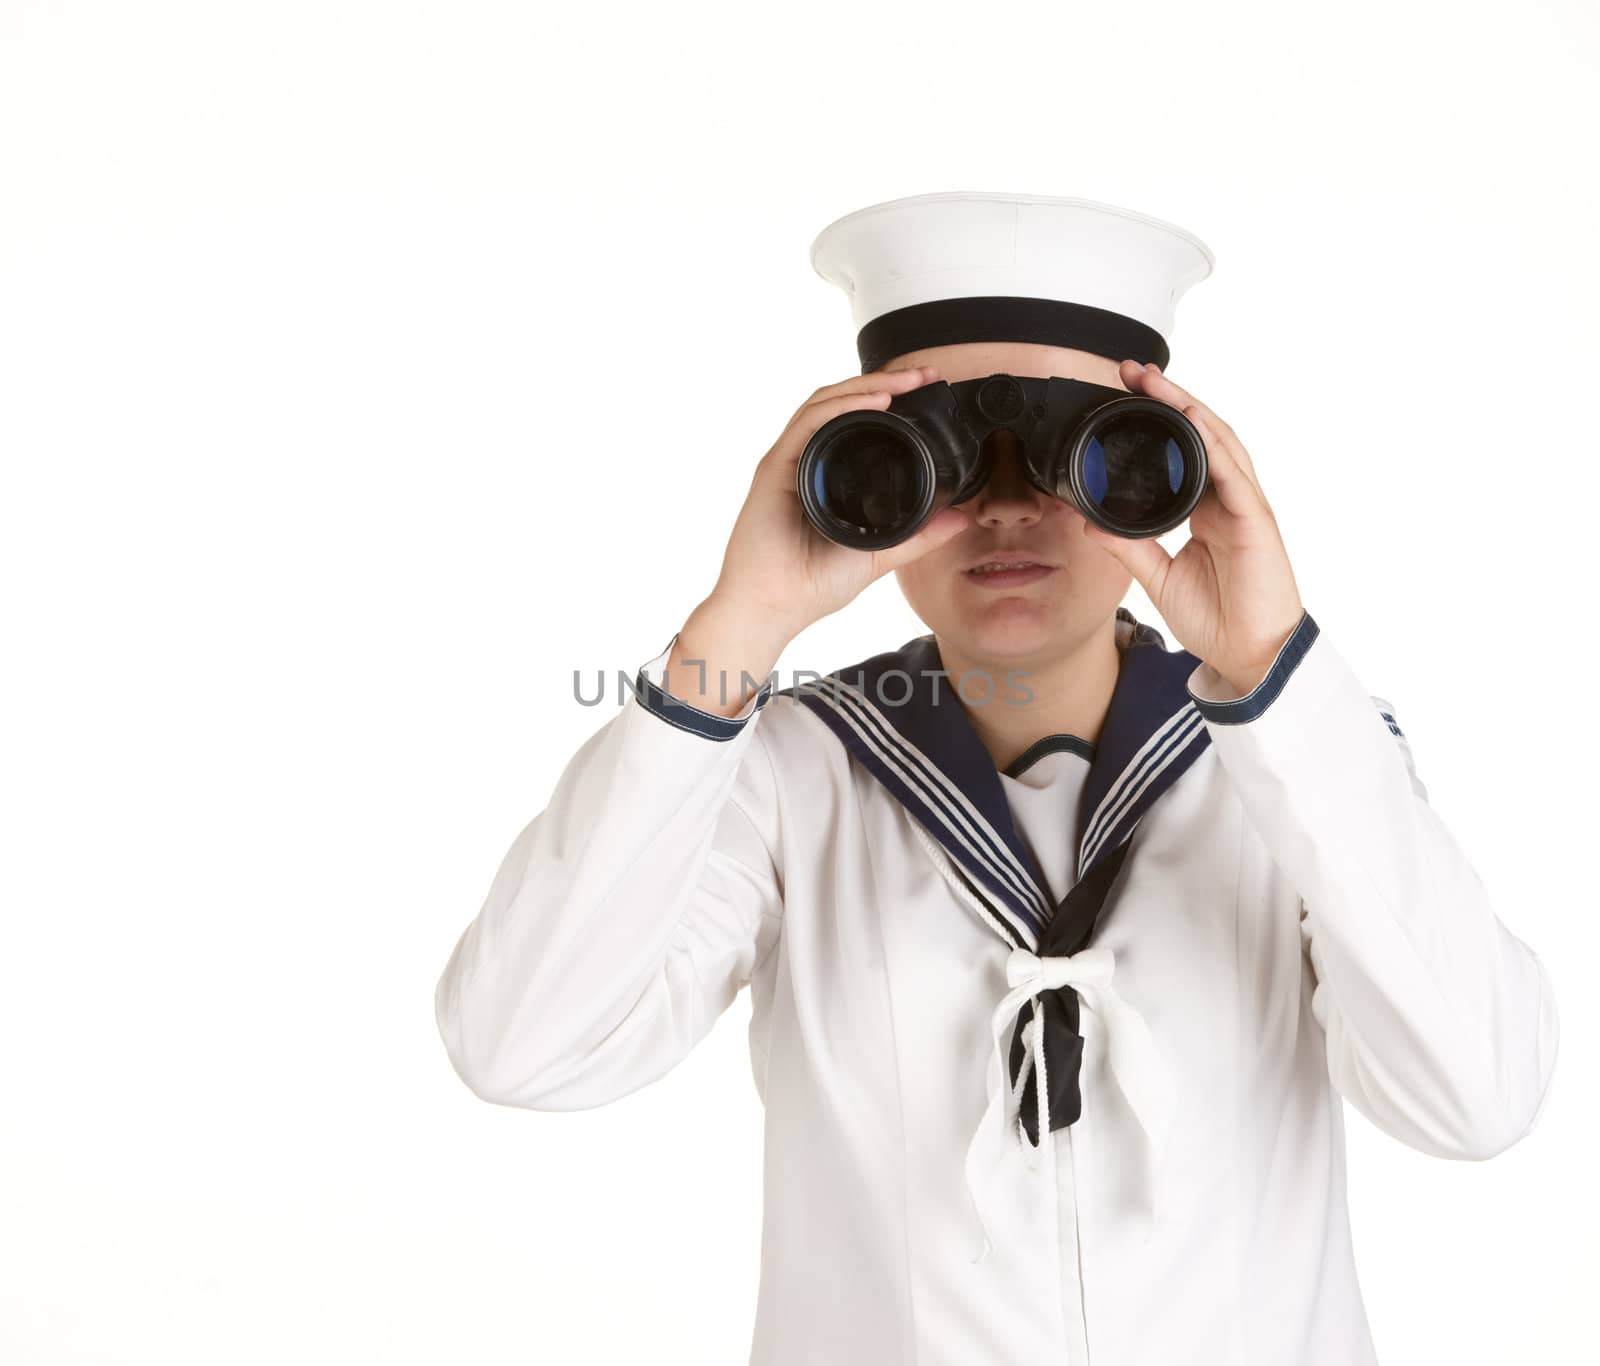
(1094,471)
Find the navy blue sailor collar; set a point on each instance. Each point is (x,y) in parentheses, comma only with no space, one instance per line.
(899,715)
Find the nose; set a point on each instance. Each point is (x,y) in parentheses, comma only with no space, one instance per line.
(1007,497)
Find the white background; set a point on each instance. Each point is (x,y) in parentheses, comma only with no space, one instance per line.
(367,368)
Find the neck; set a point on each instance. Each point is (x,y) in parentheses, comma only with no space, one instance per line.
(1070,694)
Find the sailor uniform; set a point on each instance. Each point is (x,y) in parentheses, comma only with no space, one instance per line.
(1043,786)
(1052,1059)
(1052,1070)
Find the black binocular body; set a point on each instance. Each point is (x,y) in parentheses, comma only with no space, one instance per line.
(1133,465)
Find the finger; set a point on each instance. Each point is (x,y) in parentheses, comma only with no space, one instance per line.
(941,527)
(1143,557)
(786,451)
(1153,382)
(890,381)
(1236,491)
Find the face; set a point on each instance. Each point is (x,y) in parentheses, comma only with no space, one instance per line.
(1032,617)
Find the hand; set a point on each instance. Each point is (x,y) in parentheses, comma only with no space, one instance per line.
(1229,595)
(779,572)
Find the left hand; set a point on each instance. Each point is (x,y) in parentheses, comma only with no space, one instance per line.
(1229,595)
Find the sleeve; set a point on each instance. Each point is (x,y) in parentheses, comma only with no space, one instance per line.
(1440,1024)
(626,915)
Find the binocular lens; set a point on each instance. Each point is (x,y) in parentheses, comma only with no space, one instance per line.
(867,486)
(1134,471)
(1131,464)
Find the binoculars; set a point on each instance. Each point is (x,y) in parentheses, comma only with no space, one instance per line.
(1133,465)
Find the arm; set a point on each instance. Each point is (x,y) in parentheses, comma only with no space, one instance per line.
(1441,1024)
(627,915)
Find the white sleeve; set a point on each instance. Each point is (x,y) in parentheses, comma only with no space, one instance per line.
(627,915)
(1440,1024)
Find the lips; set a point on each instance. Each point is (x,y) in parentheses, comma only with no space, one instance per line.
(996,560)
(1001,565)
(1000,570)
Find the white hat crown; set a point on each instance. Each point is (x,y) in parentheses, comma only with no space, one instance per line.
(932,269)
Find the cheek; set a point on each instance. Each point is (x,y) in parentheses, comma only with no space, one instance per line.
(1090,574)
(917,583)
(1075,550)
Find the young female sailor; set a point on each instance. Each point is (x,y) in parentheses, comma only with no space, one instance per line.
(1053,1005)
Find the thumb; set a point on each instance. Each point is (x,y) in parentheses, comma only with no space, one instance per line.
(941,527)
(1142,556)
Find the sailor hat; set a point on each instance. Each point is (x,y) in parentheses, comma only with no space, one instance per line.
(937,269)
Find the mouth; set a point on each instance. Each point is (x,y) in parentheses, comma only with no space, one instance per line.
(1002,570)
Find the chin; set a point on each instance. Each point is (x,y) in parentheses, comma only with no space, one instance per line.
(1009,629)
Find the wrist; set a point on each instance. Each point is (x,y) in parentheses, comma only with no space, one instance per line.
(1245,678)
(761,628)
(723,656)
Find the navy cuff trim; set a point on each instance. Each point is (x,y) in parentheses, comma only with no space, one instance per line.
(676,712)
(1258,699)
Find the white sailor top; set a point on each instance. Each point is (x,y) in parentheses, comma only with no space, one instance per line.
(1251,911)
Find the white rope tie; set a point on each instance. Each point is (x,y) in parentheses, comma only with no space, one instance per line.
(1000,1141)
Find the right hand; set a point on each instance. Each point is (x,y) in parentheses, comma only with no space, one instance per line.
(778,569)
